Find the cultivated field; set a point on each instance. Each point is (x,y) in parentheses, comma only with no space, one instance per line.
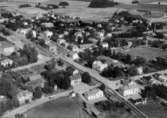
(148,53)
(154,110)
(60,108)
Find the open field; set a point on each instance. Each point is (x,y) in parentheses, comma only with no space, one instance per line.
(154,110)
(148,53)
(60,108)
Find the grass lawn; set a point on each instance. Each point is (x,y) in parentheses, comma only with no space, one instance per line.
(148,53)
(154,110)
(60,108)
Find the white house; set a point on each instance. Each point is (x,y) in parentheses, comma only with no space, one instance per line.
(6,62)
(24,97)
(75,79)
(99,66)
(94,95)
(139,70)
(105,45)
(131,90)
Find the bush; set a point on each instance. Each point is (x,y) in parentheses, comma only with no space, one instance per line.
(86,78)
(102,3)
(63,4)
(24,5)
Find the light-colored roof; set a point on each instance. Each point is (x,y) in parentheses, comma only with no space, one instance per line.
(110,61)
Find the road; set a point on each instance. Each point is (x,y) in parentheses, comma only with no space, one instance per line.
(149,74)
(24,108)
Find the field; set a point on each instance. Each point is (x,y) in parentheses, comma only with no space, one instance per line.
(154,110)
(60,108)
(148,53)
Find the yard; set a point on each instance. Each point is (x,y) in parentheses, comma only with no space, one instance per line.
(154,110)
(60,108)
(148,53)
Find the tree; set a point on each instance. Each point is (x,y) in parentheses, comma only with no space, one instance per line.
(63,4)
(50,65)
(69,70)
(86,78)
(30,52)
(47,89)
(139,61)
(65,83)
(37,93)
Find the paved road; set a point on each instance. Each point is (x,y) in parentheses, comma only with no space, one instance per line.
(24,108)
(139,76)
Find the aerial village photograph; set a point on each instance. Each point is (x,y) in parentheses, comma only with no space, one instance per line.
(83,58)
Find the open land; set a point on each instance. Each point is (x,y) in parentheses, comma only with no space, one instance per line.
(60,108)
(154,110)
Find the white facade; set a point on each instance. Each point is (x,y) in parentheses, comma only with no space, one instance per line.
(6,62)
(94,95)
(75,79)
(75,56)
(132,90)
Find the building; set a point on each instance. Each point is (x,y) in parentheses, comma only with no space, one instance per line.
(139,70)
(6,48)
(6,62)
(48,34)
(105,45)
(75,56)
(23,31)
(163,79)
(24,97)
(110,61)
(99,66)
(94,95)
(75,79)
(131,90)
(52,47)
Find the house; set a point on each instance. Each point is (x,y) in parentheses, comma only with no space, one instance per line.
(139,70)
(48,34)
(48,25)
(94,95)
(3,99)
(75,48)
(6,48)
(99,66)
(110,61)
(105,45)
(24,97)
(61,41)
(75,79)
(52,47)
(6,62)
(75,56)
(23,31)
(35,81)
(131,90)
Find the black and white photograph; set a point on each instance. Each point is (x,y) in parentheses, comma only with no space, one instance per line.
(83,58)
